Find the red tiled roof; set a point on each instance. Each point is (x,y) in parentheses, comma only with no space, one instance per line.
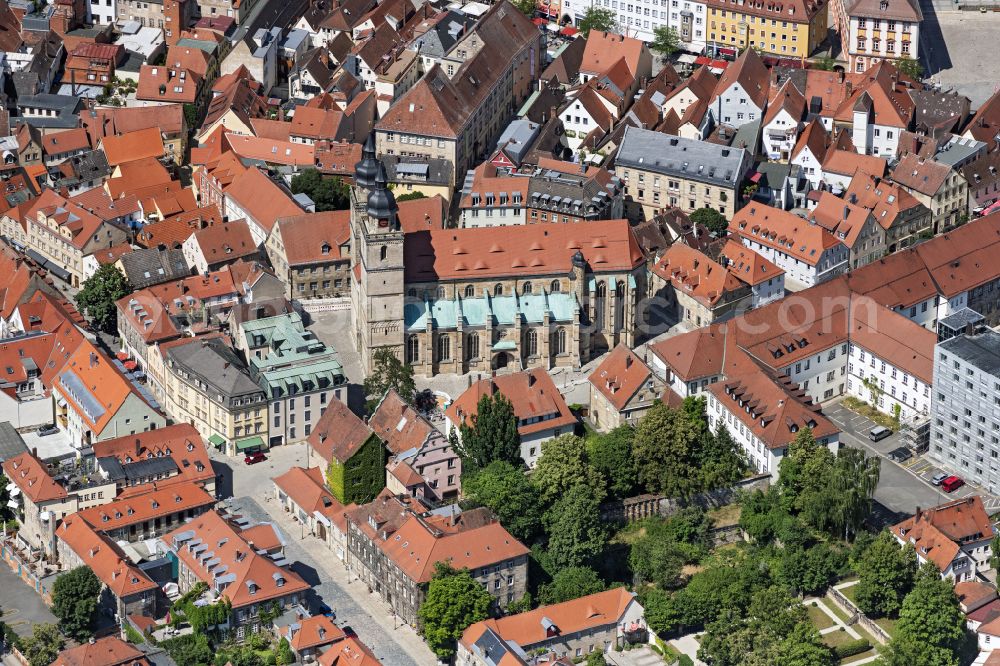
(312,238)
(180,441)
(30,475)
(339,433)
(349,652)
(619,376)
(241,560)
(107,651)
(104,557)
(533,249)
(157,503)
(132,146)
(578,616)
(532,393)
(312,632)
(306,487)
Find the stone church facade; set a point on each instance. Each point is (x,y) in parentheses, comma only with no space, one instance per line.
(483,299)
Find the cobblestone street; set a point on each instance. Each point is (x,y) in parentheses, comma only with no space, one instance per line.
(317,565)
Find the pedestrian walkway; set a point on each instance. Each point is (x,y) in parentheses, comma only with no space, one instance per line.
(838,624)
(688,644)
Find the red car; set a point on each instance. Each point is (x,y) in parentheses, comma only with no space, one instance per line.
(952,483)
(254,458)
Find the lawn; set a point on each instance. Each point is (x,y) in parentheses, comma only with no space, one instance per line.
(819,619)
(844,617)
(724,516)
(849,592)
(888,625)
(859,657)
(835,638)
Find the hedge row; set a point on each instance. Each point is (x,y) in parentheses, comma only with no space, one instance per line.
(850,649)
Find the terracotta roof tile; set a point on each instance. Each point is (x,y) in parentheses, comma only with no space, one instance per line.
(339,433)
(104,557)
(29,474)
(619,376)
(132,146)
(533,395)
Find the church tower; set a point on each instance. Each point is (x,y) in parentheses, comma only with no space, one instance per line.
(376,261)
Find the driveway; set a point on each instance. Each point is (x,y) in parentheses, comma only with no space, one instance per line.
(20,606)
(640,656)
(902,487)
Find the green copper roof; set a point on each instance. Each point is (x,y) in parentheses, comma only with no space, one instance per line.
(501,310)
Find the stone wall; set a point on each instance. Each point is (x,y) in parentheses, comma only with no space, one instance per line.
(639,507)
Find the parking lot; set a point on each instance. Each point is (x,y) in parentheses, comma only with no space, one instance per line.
(952,48)
(20,606)
(902,486)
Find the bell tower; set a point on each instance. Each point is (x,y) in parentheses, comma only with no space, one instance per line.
(376,261)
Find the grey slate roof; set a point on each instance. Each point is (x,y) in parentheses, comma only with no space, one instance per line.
(217,365)
(428,170)
(11,443)
(152,266)
(88,167)
(687,158)
(981,351)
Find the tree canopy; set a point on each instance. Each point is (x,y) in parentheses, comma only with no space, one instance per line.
(563,464)
(610,455)
(388,372)
(509,494)
(74,601)
(712,219)
(931,628)
(44,644)
(98,294)
(576,531)
(678,456)
(885,575)
(491,436)
(570,583)
(597,18)
(454,601)
(328,193)
(666,40)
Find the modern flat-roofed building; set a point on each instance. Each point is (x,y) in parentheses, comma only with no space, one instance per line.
(965,428)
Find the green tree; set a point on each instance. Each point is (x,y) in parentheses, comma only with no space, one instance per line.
(192,116)
(492,435)
(570,583)
(825,63)
(575,529)
(44,644)
(809,570)
(722,461)
(411,196)
(562,465)
(911,67)
(667,545)
(611,455)
(662,615)
(189,649)
(6,513)
(885,575)
(666,41)
(712,219)
(803,647)
(994,544)
(664,445)
(510,495)
(596,658)
(326,193)
(522,605)
(98,294)
(74,601)
(283,654)
(931,627)
(597,18)
(526,7)
(454,601)
(388,372)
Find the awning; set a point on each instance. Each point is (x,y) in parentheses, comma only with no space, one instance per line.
(15,492)
(755,178)
(10,486)
(539,21)
(122,356)
(131,365)
(505,345)
(250,444)
(217,441)
(12,504)
(569,31)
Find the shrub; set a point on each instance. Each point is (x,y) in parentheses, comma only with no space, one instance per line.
(685,660)
(852,648)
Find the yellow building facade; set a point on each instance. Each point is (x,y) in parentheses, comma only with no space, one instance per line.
(790,30)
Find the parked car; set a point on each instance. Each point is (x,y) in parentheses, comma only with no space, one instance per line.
(254,458)
(938,478)
(878,433)
(348,631)
(47,430)
(327,611)
(901,454)
(952,483)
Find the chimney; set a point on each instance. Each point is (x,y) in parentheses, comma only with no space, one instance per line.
(628,361)
(531,379)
